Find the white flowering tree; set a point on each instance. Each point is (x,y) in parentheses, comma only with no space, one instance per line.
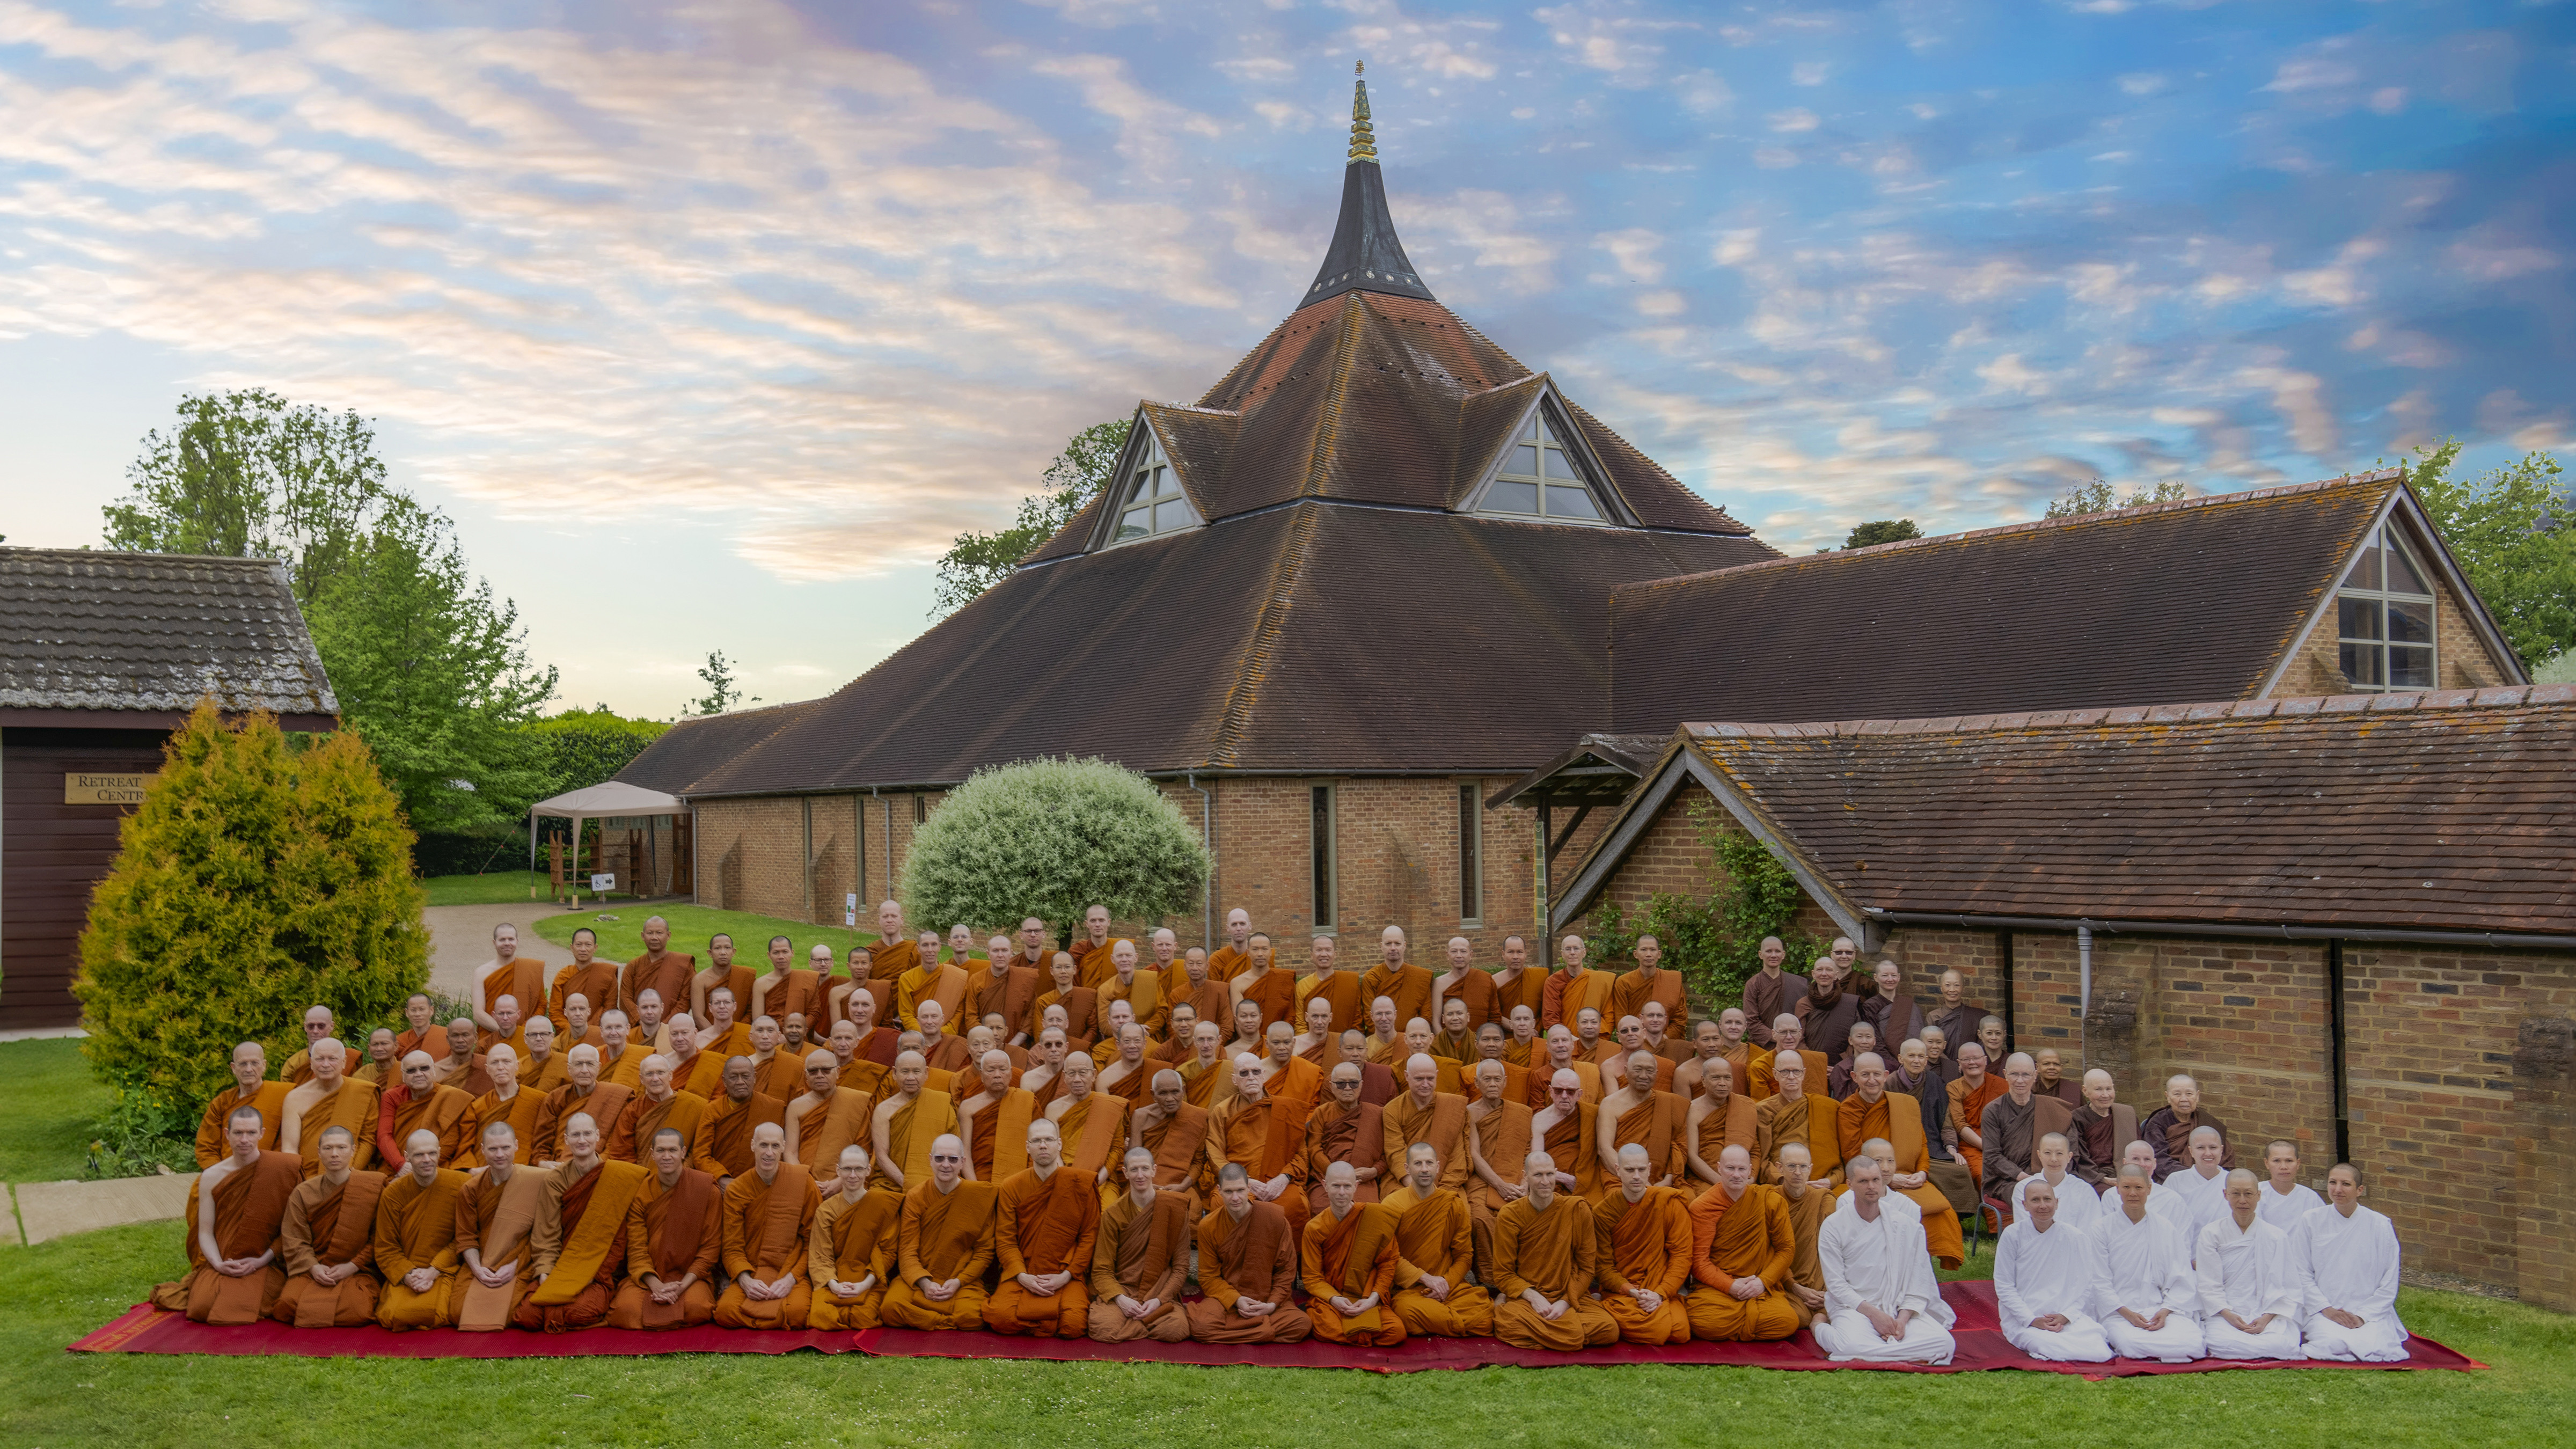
(1050,838)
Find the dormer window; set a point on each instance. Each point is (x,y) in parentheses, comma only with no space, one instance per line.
(2384,618)
(1540,479)
(1153,502)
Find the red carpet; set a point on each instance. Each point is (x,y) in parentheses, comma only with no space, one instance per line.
(144,1329)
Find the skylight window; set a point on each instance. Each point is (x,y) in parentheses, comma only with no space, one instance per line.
(1153,502)
(1540,479)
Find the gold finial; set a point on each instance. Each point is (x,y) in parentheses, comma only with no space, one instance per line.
(1363,140)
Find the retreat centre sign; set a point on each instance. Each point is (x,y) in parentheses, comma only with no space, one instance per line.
(83,788)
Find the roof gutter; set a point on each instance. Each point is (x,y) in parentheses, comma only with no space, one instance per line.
(2496,940)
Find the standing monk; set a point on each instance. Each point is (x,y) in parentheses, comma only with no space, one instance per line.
(508,973)
(1574,990)
(328,1100)
(1271,987)
(1194,985)
(1435,1236)
(415,1241)
(1409,985)
(671,1264)
(1091,953)
(1004,987)
(1771,993)
(768,1213)
(249,1089)
(721,974)
(851,1255)
(235,1208)
(1140,1255)
(1546,1249)
(1465,984)
(1340,988)
(1247,1269)
(1516,986)
(588,977)
(660,970)
(1234,957)
(929,980)
(945,1245)
(794,990)
(1045,1221)
(1643,1252)
(327,1239)
(1631,993)
(897,951)
(1743,1247)
(1348,1257)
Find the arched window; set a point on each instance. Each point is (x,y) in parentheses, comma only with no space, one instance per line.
(1151,501)
(1539,478)
(2384,618)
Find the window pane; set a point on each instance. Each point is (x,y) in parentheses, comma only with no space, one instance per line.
(1134,524)
(2410,668)
(1570,503)
(2402,578)
(2359,618)
(2361,664)
(1170,515)
(2365,569)
(1529,429)
(1524,461)
(2410,623)
(1512,498)
(1546,432)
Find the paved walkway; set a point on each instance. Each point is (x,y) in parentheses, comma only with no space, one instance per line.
(460,939)
(50,1210)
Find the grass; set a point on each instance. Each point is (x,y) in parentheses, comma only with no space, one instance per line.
(623,938)
(51,1112)
(492,888)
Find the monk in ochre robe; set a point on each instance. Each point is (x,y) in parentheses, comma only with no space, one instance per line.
(850,1255)
(1643,1256)
(582,1094)
(1743,1245)
(1794,1115)
(249,1089)
(895,952)
(1573,990)
(1234,957)
(327,1241)
(1348,1260)
(1630,994)
(1140,1255)
(904,1124)
(1265,1136)
(1092,1124)
(944,1245)
(660,969)
(1338,989)
(1435,1250)
(798,991)
(1870,1113)
(671,1261)
(1190,984)
(826,1117)
(768,1212)
(1046,1219)
(1720,1118)
(1128,1075)
(1546,1251)
(1003,987)
(721,1147)
(235,1209)
(1090,952)
(1643,1117)
(1409,986)
(578,1248)
(1345,1130)
(1247,1269)
(508,1102)
(328,1099)
(415,1243)
(1568,1130)
(1175,1133)
(1467,984)
(422,1032)
(416,1103)
(1271,988)
(1498,1142)
(656,1105)
(994,1121)
(495,1214)
(1423,1113)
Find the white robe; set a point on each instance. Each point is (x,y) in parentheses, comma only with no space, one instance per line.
(2351,1264)
(1883,1263)
(2247,1271)
(2204,1202)
(2077,1204)
(2165,1202)
(2040,1273)
(2284,1209)
(2142,1267)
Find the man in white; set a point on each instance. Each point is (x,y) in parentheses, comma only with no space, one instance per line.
(2203,1185)
(1884,1305)
(2249,1298)
(2143,1293)
(2344,1256)
(2044,1281)
(2285,1198)
(2077,1204)
(2165,1202)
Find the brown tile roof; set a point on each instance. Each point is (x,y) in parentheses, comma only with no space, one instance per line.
(693,747)
(2451,811)
(100,630)
(2191,600)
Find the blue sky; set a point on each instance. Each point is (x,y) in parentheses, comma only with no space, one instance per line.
(711,324)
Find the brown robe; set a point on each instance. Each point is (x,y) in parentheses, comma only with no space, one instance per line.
(330,1224)
(722,1144)
(940,1236)
(1443,1124)
(683,1234)
(1357,1137)
(1644,1244)
(596,984)
(669,976)
(1256,1259)
(1352,1254)
(1142,1254)
(1044,1225)
(249,1207)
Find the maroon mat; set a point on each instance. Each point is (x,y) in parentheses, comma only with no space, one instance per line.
(1981,1346)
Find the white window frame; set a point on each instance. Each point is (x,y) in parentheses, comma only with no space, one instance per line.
(2374,644)
(1526,433)
(1152,468)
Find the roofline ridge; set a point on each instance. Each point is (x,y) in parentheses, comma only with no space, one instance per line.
(1346,346)
(2109,515)
(2425,701)
(1172,407)
(1252,669)
(243,560)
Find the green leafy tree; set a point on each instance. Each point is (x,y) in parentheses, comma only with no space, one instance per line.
(586,747)
(1050,838)
(723,691)
(252,882)
(2513,530)
(2098,496)
(1715,944)
(977,561)
(1882,530)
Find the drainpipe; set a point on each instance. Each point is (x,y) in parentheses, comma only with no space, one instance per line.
(1207,827)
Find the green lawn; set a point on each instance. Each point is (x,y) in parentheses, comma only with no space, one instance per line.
(493,888)
(51,1112)
(623,938)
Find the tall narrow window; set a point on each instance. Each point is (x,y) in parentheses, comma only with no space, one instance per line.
(920,809)
(2384,618)
(1152,501)
(1540,479)
(1323,861)
(1471,855)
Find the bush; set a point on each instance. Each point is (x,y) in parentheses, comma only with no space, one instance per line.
(141,1135)
(252,882)
(1051,838)
(1715,944)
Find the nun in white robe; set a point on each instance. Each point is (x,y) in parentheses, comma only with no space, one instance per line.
(2141,1266)
(2039,1273)
(2348,1262)
(1881,1261)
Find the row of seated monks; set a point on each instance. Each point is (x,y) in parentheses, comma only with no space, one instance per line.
(1074,1173)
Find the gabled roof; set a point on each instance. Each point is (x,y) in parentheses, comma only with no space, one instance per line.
(2451,811)
(84,629)
(2198,599)
(692,748)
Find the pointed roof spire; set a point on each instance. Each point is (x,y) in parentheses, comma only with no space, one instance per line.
(1366,255)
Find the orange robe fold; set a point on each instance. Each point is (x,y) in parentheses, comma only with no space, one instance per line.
(1352,1254)
(249,1208)
(1746,1237)
(1555,1251)
(415,1228)
(852,1243)
(1043,1226)
(1435,1236)
(942,1236)
(1645,1244)
(765,1225)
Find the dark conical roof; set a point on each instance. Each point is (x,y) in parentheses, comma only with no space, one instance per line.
(1366,255)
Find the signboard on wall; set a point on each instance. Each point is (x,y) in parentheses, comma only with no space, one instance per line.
(80,787)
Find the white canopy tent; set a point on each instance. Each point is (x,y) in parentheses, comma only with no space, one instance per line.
(610,799)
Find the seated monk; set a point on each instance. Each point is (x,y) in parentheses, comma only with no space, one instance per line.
(1524,1046)
(1247,1268)
(1643,1255)
(235,1209)
(1175,1048)
(826,1116)
(655,1105)
(540,1065)
(1065,993)
(462,1067)
(506,1102)
(671,1264)
(2044,1281)
(1455,1042)
(857,1072)
(1384,1039)
(1568,1130)
(421,1032)
(384,1066)
(1788,1034)
(1140,1255)
(251,1089)
(1207,1075)
(994,1122)
(1235,956)
(1092,1125)
(1560,1055)
(1343,1129)
(1417,1042)
(905,1122)
(1175,1133)
(768,1212)
(1641,1116)
(415,1241)
(1045,1220)
(1498,1142)
(1435,1240)
(720,1033)
(851,1255)
(494,1217)
(1715,1053)
(1377,1081)
(1720,1118)
(327,1099)
(1793,1114)
(621,1057)
(1128,1076)
(1265,1135)
(1870,1115)
(1743,1245)
(1319,1042)
(775,1072)
(721,1147)
(945,1051)
(1808,1201)
(842,999)
(507,1021)
(582,1023)
(327,1239)
(1348,1258)
(1661,1039)
(1883,1305)
(1863,1040)
(1425,1113)
(318,1023)
(1493,1044)
(416,1104)
(1043,1078)
(1271,989)
(583,1094)
(1546,1247)
(944,1246)
(578,1249)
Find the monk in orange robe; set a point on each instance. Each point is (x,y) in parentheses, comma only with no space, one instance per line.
(1546,1252)
(1128,1074)
(495,1215)
(1046,1219)
(767,1213)
(1139,1257)
(656,1105)
(1264,1135)
(414,1236)
(1424,1113)
(1077,1001)
(582,1094)
(507,1102)
(1247,1268)
(1348,1257)
(1794,1114)
(1190,984)
(1092,1124)
(1870,1114)
(1272,988)
(721,1147)
(1568,1130)
(1971,1092)
(1465,983)
(1341,989)
(1345,1130)
(1742,1248)
(235,1209)
(1234,957)
(328,1099)
(1498,1142)
(422,1033)
(796,991)
(825,1117)
(1649,982)
(1136,983)
(1004,988)
(944,1246)
(589,978)
(1642,1116)
(721,974)
(1808,1201)
(1573,990)
(1408,985)
(1720,1118)
(994,1121)
(1175,1132)
(1644,1252)
(578,1248)
(416,1103)
(1091,952)
(1435,1249)
(671,1263)
(327,1241)
(850,1255)
(249,1089)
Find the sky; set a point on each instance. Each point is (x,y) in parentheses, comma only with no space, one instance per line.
(712,324)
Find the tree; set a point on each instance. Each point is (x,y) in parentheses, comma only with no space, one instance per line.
(1883,530)
(722,692)
(2098,496)
(977,561)
(252,882)
(586,747)
(1715,944)
(2513,531)
(1051,838)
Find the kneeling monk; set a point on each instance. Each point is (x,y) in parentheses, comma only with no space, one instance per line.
(1141,1255)
(767,1213)
(851,1255)
(1644,1252)
(1435,1247)
(1545,1247)
(234,1211)
(1247,1268)
(1743,1245)
(1045,1219)
(328,1239)
(944,1246)
(1349,1261)
(671,1265)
